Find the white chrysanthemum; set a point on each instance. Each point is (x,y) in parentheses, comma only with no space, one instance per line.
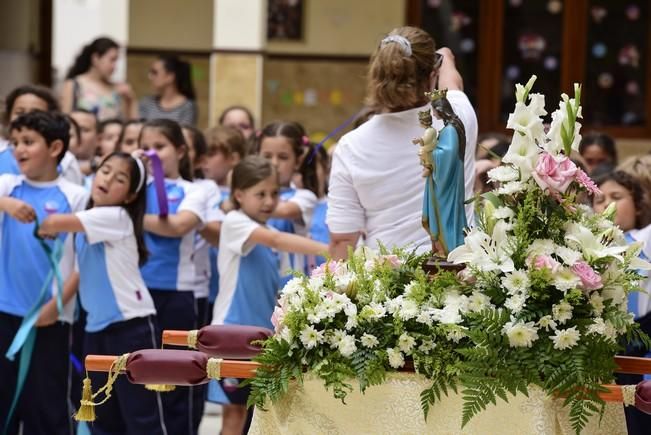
(369,340)
(335,337)
(547,323)
(347,345)
(409,288)
(456,335)
(408,309)
(478,301)
(511,187)
(599,327)
(426,346)
(373,311)
(316,317)
(425,318)
(350,309)
(541,247)
(568,255)
(520,334)
(294,286)
(516,303)
(562,312)
(516,282)
(316,283)
(351,322)
(503,174)
(503,213)
(396,359)
(597,303)
(614,292)
(566,338)
(310,337)
(406,343)
(344,281)
(287,335)
(564,279)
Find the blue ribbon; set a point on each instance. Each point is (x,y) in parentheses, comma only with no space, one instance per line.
(25,338)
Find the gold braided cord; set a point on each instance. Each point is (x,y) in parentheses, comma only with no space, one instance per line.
(628,395)
(214,368)
(116,367)
(192,338)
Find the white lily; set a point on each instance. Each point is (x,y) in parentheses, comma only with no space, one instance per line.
(590,244)
(485,252)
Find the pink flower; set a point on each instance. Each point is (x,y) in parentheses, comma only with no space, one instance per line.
(390,260)
(584,180)
(554,173)
(545,262)
(589,278)
(331,267)
(277,317)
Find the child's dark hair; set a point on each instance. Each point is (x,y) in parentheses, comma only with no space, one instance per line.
(182,71)
(301,146)
(199,146)
(603,141)
(226,140)
(633,185)
(87,112)
(173,132)
(51,125)
(84,60)
(74,125)
(249,172)
(136,208)
(39,91)
(126,124)
(236,107)
(103,124)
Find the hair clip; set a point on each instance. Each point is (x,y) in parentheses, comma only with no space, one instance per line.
(403,42)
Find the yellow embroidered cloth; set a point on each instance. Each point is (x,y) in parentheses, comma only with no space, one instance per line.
(394,408)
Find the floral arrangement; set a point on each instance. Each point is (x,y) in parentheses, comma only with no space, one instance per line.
(542,300)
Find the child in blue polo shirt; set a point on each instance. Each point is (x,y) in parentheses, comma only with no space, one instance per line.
(121,316)
(170,271)
(40,140)
(249,268)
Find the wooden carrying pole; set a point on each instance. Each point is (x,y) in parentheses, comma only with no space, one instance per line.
(175,338)
(246,369)
(229,368)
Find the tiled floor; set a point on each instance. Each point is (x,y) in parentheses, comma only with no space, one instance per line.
(212,420)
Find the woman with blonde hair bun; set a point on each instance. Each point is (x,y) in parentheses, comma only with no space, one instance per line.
(376,186)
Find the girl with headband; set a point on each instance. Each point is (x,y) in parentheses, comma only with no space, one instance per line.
(110,249)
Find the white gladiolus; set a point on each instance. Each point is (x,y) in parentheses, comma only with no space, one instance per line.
(525,121)
(523,154)
(566,338)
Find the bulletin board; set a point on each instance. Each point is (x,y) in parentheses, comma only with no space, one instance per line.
(319,94)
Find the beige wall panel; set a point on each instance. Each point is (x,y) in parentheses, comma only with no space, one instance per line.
(236,79)
(138,66)
(319,94)
(344,27)
(171,24)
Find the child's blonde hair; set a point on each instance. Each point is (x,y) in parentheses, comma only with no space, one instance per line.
(399,77)
(640,168)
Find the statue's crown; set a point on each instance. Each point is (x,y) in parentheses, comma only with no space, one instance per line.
(437,94)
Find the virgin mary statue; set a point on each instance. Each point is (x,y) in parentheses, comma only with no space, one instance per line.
(444,216)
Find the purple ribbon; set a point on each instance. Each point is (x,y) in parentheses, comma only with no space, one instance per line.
(159,182)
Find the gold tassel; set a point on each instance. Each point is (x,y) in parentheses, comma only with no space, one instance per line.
(161,388)
(87,409)
(192,338)
(87,405)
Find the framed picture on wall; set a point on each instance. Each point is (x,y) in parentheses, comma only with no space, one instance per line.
(285,20)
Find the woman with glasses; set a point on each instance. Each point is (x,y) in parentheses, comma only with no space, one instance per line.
(174,96)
